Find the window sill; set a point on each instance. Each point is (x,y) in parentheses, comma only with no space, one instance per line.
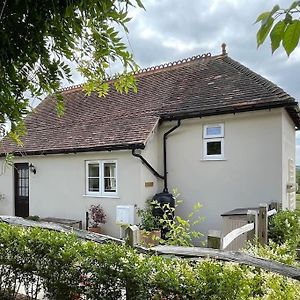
(213,159)
(102,196)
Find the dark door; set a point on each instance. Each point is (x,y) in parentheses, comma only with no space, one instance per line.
(22,190)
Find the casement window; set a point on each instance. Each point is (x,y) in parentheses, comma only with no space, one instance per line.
(101,178)
(213,141)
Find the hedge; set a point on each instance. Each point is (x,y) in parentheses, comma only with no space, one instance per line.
(65,268)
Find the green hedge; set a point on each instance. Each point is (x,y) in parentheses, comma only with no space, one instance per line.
(63,267)
(284,227)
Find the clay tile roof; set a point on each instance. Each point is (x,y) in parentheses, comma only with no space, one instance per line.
(198,86)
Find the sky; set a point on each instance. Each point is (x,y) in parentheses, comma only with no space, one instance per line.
(168,30)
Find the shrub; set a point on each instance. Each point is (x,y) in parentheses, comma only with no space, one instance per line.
(284,227)
(149,222)
(64,267)
(281,253)
(179,230)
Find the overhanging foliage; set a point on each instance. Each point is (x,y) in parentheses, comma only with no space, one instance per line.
(282,25)
(39,39)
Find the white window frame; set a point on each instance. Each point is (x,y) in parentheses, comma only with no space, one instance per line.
(102,178)
(101,192)
(213,157)
(210,136)
(213,138)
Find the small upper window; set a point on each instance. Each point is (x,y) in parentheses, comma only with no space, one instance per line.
(213,131)
(213,141)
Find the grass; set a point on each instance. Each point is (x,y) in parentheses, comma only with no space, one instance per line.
(298,201)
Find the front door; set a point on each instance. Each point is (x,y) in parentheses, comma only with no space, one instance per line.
(22,190)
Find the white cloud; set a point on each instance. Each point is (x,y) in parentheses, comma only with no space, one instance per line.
(173,29)
(179,45)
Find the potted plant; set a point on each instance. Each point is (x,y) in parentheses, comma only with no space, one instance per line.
(150,233)
(97,216)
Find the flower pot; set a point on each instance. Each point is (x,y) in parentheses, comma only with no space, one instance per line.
(95,229)
(150,238)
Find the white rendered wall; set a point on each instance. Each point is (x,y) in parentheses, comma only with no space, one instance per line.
(251,172)
(58,187)
(150,153)
(288,153)
(6,189)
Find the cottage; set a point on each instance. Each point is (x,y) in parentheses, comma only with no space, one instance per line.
(232,145)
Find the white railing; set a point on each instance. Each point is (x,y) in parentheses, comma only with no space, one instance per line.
(232,235)
(259,226)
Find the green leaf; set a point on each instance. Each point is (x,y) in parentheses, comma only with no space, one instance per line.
(294,5)
(288,18)
(140,4)
(263,16)
(276,35)
(60,108)
(274,10)
(264,31)
(291,36)
(9,159)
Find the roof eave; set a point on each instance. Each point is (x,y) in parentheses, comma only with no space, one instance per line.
(291,107)
(129,146)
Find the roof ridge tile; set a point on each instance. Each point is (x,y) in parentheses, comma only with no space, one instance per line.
(155,68)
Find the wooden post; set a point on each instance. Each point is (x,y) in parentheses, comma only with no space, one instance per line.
(132,235)
(274,205)
(214,239)
(86,220)
(263,224)
(252,218)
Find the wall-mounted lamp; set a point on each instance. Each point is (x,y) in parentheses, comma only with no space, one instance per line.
(32,168)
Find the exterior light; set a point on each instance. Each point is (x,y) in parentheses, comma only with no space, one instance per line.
(32,168)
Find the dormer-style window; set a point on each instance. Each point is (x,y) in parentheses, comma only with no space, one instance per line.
(213,141)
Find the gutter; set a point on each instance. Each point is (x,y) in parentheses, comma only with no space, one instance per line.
(79,150)
(228,110)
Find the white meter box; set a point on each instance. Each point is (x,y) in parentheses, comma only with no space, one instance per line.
(125,215)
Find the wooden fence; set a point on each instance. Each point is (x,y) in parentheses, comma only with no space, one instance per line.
(197,253)
(257,227)
(194,253)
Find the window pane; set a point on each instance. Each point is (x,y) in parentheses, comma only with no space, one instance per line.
(109,184)
(93,170)
(213,131)
(109,169)
(93,184)
(214,148)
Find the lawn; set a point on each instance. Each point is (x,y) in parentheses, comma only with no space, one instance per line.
(298,201)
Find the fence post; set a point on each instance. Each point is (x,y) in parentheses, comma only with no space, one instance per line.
(252,218)
(86,220)
(263,224)
(214,239)
(132,235)
(275,205)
